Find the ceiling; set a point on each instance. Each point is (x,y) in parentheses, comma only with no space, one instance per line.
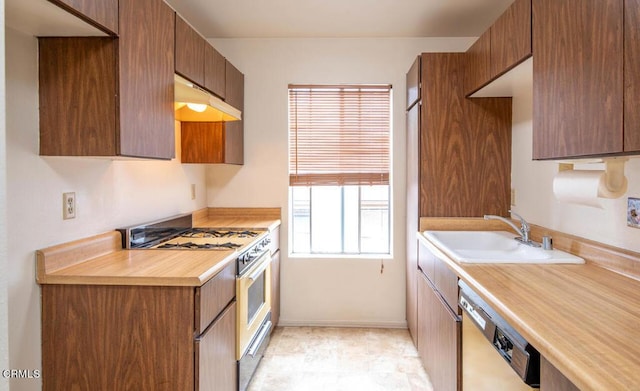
(339,18)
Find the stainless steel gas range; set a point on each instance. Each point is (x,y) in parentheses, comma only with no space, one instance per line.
(253,276)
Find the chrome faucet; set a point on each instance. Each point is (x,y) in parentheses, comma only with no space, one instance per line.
(523,231)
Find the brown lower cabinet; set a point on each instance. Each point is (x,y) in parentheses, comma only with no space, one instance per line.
(439,337)
(104,337)
(275,288)
(551,379)
(215,353)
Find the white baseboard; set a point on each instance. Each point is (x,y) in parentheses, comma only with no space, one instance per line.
(342,323)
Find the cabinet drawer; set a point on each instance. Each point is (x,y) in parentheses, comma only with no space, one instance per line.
(427,262)
(216,367)
(447,283)
(213,297)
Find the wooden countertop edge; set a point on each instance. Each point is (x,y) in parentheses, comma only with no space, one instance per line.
(122,280)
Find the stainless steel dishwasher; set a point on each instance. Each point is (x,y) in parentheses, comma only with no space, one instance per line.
(494,355)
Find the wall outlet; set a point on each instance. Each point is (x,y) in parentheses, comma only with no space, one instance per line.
(513,197)
(193,191)
(68,206)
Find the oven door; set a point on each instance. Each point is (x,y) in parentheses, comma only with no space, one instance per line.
(253,295)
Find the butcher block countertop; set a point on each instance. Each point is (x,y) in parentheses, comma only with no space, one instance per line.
(101,260)
(584,319)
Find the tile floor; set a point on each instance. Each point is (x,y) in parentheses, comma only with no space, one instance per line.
(340,359)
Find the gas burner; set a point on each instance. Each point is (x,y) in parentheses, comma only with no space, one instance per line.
(204,246)
(214,233)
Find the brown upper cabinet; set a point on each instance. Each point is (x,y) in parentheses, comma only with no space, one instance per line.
(111,96)
(209,142)
(413,83)
(631,75)
(197,60)
(102,14)
(214,71)
(478,63)
(189,52)
(503,46)
(234,89)
(212,142)
(584,97)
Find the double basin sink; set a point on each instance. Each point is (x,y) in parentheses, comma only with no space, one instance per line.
(494,247)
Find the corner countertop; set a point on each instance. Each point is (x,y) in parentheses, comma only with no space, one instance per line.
(584,319)
(100,260)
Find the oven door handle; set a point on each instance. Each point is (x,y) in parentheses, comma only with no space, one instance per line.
(264,330)
(261,267)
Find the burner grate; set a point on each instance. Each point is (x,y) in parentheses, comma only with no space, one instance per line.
(205,246)
(214,233)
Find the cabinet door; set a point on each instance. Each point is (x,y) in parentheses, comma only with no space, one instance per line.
(234,142)
(425,324)
(216,354)
(412,159)
(190,52)
(631,75)
(146,46)
(447,347)
(212,142)
(489,121)
(551,379)
(578,73)
(438,339)
(202,142)
(511,37)
(214,71)
(478,64)
(444,142)
(275,288)
(107,338)
(413,83)
(234,86)
(101,13)
(77,117)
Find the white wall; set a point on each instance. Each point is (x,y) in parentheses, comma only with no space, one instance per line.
(320,291)
(533,181)
(109,194)
(4,322)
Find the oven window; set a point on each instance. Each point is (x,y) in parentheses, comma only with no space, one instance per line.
(256,297)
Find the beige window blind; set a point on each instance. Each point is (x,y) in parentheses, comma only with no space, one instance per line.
(339,135)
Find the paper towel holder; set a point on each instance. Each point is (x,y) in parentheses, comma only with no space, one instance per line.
(614,179)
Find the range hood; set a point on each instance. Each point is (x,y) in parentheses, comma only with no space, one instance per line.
(197,105)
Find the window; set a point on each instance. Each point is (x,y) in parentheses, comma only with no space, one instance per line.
(339,154)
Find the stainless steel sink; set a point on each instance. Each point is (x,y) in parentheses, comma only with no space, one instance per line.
(494,247)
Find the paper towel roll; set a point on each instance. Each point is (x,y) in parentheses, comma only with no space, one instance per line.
(584,187)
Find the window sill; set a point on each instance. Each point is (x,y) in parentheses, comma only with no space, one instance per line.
(365,257)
